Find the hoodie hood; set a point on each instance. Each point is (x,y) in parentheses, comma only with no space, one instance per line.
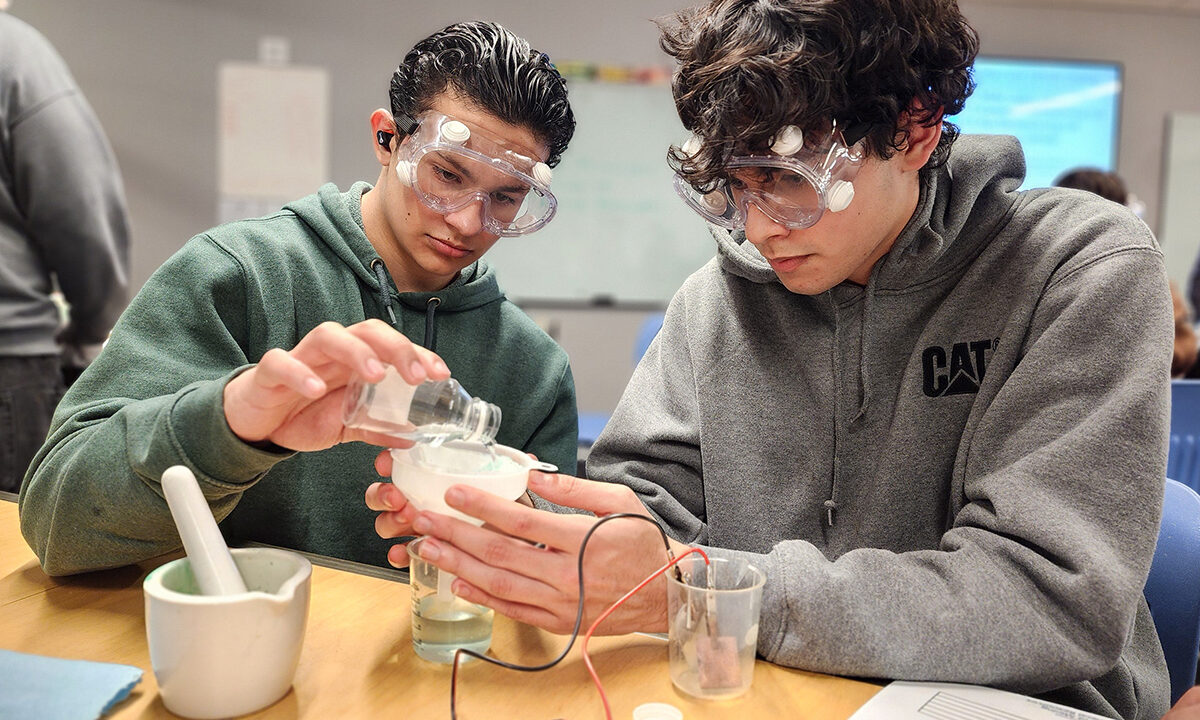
(336,218)
(985,170)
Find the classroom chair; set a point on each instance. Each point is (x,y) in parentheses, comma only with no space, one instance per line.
(1183,460)
(1173,588)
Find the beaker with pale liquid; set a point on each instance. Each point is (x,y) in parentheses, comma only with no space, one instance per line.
(441,622)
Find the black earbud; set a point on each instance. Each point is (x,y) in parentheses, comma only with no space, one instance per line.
(384,138)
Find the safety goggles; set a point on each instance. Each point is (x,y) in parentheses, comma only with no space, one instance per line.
(793,185)
(450,166)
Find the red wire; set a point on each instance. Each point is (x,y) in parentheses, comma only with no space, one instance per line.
(587,661)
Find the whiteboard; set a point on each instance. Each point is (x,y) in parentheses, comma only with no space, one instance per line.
(621,232)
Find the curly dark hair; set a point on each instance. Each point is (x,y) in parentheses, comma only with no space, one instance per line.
(495,70)
(746,68)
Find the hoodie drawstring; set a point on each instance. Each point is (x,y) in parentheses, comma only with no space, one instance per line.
(864,386)
(385,297)
(431,306)
(864,376)
(831,505)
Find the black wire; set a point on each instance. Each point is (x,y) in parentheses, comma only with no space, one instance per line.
(578,614)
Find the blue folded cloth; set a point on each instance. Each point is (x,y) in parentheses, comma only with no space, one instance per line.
(45,688)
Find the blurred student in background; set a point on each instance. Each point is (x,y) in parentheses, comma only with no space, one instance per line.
(1109,185)
(62,223)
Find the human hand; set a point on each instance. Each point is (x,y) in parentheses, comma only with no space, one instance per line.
(293,398)
(1188,707)
(395,512)
(540,585)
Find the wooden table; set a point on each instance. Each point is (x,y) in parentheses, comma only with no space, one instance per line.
(358,660)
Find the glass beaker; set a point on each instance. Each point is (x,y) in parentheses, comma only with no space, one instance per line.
(713,626)
(433,411)
(442,622)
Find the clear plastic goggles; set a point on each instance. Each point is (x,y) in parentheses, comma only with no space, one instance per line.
(449,166)
(793,185)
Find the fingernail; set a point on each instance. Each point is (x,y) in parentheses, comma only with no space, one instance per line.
(422,524)
(418,371)
(429,551)
(454,496)
(441,366)
(374,367)
(313,385)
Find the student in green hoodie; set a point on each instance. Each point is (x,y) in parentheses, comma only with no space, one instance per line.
(233,357)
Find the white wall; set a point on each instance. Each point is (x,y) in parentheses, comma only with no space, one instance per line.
(149,68)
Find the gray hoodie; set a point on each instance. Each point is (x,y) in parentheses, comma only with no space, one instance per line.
(952,474)
(62,207)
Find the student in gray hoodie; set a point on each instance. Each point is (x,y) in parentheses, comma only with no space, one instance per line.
(932,408)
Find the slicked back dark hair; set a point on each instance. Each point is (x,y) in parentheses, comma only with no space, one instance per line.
(747,68)
(494,70)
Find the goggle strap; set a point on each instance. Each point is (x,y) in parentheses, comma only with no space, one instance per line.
(405,123)
(855,132)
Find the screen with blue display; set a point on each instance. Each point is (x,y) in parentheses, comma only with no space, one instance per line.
(1065,113)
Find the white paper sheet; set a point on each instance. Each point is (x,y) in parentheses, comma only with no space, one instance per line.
(950,701)
(273,136)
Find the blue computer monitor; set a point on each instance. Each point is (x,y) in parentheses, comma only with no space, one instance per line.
(1065,112)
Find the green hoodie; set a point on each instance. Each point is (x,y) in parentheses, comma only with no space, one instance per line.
(91,498)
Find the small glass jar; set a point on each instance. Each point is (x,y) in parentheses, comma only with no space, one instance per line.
(433,411)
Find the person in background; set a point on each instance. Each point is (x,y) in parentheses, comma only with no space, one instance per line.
(1110,186)
(930,407)
(1183,360)
(234,357)
(62,224)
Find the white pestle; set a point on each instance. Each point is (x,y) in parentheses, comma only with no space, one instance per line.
(211,562)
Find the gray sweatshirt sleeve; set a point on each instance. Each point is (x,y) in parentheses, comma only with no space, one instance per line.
(1036,582)
(652,441)
(67,188)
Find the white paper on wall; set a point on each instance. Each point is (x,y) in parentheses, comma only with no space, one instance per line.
(273,136)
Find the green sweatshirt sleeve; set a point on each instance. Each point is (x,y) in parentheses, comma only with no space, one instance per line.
(556,439)
(91,498)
